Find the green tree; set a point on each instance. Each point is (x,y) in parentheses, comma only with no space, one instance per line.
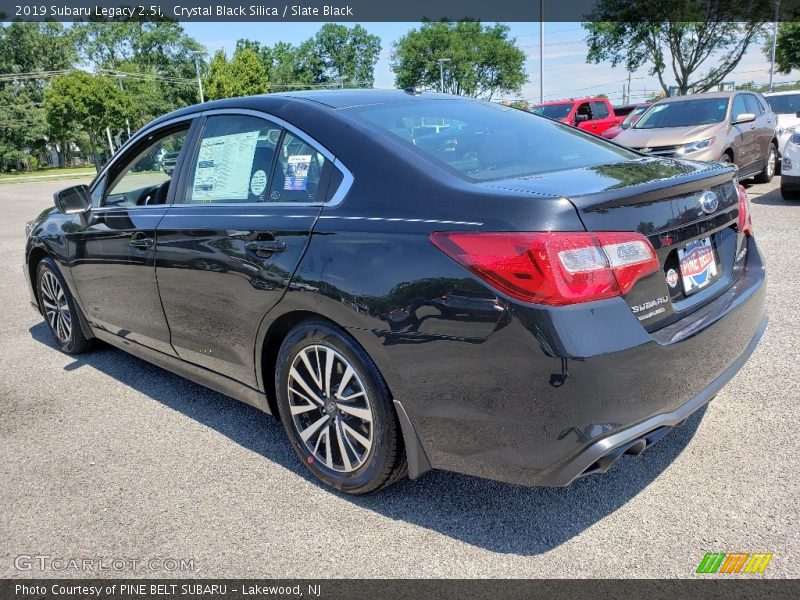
(88,102)
(483,60)
(28,49)
(684,33)
(787,50)
(161,49)
(347,55)
(244,75)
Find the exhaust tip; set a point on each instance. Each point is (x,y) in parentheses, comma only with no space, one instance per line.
(637,447)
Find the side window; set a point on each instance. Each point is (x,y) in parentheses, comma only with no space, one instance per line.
(584,109)
(299,170)
(234,160)
(146,178)
(599,110)
(739,106)
(753,105)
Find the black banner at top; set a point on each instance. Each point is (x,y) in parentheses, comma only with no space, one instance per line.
(393,10)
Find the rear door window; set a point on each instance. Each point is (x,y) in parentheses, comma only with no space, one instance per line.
(233,161)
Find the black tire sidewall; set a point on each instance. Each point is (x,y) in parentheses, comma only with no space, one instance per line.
(71,345)
(375,471)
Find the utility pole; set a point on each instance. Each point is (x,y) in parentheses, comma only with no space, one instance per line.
(774,43)
(127,122)
(441,62)
(197,54)
(541,51)
(629,88)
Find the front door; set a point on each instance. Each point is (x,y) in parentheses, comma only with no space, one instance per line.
(113,263)
(229,245)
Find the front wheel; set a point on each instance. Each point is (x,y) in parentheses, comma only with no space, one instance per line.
(769,167)
(337,410)
(59,309)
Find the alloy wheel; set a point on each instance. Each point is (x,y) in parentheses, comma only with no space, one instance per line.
(330,408)
(56,307)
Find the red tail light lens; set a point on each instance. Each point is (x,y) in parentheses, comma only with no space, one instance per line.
(553,268)
(745,220)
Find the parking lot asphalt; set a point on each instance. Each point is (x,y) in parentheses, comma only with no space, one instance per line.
(104,456)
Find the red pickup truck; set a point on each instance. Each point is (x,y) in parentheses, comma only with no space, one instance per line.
(594,115)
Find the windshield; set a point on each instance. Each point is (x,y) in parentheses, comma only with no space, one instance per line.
(684,113)
(553,111)
(483,141)
(785,105)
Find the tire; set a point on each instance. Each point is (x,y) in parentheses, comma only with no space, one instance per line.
(769,167)
(59,309)
(352,440)
(787,194)
(725,159)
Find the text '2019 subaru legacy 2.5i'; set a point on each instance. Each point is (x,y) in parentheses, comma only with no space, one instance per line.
(412,280)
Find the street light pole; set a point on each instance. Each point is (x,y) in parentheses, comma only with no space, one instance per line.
(441,62)
(774,43)
(197,54)
(541,51)
(121,87)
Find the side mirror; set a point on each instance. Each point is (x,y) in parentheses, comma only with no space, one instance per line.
(581,118)
(744,118)
(73,200)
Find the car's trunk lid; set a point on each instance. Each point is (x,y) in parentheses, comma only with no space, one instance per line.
(660,199)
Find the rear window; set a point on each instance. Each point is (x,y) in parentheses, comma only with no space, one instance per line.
(485,141)
(553,111)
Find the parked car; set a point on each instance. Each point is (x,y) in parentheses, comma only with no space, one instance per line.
(528,311)
(727,127)
(631,117)
(168,162)
(594,115)
(790,168)
(786,106)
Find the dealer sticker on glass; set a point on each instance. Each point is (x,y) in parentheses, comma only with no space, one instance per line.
(297,172)
(698,265)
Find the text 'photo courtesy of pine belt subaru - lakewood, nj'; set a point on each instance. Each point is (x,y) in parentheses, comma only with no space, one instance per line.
(412,281)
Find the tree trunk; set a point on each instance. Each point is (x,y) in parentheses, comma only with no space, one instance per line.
(94,153)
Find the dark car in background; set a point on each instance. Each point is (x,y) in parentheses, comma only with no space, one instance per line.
(631,117)
(527,309)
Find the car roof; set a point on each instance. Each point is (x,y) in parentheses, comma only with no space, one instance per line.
(566,100)
(784,93)
(704,95)
(347,98)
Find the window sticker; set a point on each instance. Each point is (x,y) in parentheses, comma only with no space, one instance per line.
(258,182)
(297,172)
(220,164)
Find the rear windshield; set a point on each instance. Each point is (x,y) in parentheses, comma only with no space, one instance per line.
(685,113)
(784,105)
(553,111)
(485,141)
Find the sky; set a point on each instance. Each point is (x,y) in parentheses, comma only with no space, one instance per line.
(566,73)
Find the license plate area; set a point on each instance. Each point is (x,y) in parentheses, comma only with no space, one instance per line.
(699,265)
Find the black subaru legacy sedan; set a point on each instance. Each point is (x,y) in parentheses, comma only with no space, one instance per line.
(412,281)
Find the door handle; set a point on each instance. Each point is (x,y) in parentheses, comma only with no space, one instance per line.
(265,247)
(140,240)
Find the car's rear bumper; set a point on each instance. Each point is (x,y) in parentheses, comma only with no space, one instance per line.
(790,182)
(551,392)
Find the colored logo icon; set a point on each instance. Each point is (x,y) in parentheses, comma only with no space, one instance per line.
(736,562)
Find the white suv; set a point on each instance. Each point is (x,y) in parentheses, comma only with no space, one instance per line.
(786,105)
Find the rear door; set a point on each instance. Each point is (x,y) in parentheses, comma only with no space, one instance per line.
(227,248)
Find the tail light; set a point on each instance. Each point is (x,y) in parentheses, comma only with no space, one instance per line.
(555,268)
(745,220)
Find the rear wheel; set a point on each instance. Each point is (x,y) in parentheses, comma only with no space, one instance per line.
(337,410)
(769,167)
(59,309)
